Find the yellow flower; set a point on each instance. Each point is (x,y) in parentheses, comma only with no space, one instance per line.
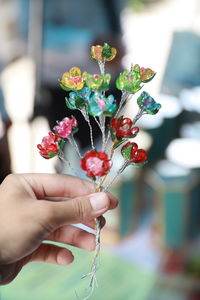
(72,80)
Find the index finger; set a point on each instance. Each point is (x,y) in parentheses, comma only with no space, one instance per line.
(58,185)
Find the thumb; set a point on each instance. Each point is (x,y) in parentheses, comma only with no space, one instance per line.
(75,210)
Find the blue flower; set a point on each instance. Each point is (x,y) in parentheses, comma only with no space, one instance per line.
(147,104)
(98,104)
(77,100)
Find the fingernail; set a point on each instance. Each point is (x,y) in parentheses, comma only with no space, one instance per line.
(99,201)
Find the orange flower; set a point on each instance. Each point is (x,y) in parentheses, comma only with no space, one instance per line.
(104,52)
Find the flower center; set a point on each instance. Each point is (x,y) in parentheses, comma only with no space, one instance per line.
(101,104)
(125,127)
(94,164)
(76,79)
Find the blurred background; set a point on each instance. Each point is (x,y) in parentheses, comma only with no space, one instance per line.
(150,245)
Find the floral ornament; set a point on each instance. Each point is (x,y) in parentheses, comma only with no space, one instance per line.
(96,163)
(50,145)
(132,154)
(99,104)
(72,80)
(103,53)
(147,104)
(131,81)
(99,82)
(122,128)
(78,99)
(146,74)
(66,127)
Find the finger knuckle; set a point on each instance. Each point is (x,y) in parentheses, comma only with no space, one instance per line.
(80,209)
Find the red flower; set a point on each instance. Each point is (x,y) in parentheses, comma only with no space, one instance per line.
(132,154)
(49,146)
(96,163)
(123,128)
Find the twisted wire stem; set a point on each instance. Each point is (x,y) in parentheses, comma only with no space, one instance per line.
(75,146)
(87,119)
(122,168)
(124,97)
(101,64)
(138,116)
(61,157)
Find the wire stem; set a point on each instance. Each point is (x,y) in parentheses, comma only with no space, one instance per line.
(74,145)
(61,157)
(87,119)
(124,165)
(102,124)
(138,116)
(101,64)
(124,97)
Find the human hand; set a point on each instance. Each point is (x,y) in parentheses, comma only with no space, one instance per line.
(33,209)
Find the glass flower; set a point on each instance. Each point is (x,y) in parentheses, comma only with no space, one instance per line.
(129,81)
(146,74)
(66,127)
(72,80)
(78,99)
(99,82)
(123,128)
(148,104)
(96,163)
(132,154)
(49,146)
(104,52)
(98,104)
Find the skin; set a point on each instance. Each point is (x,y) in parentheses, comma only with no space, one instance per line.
(38,207)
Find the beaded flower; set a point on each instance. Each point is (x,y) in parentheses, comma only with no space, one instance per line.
(49,146)
(104,52)
(99,105)
(131,81)
(122,128)
(72,80)
(132,154)
(147,104)
(146,74)
(96,163)
(66,127)
(98,82)
(88,93)
(78,99)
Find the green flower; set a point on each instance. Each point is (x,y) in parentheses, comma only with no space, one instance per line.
(97,82)
(131,81)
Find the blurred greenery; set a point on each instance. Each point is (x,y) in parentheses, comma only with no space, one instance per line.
(117,280)
(139,5)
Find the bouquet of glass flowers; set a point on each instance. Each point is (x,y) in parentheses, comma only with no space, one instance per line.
(88,93)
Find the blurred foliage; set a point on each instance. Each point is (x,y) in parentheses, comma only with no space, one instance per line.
(140,5)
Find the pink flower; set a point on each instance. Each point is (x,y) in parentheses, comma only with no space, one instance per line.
(49,146)
(66,127)
(96,163)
